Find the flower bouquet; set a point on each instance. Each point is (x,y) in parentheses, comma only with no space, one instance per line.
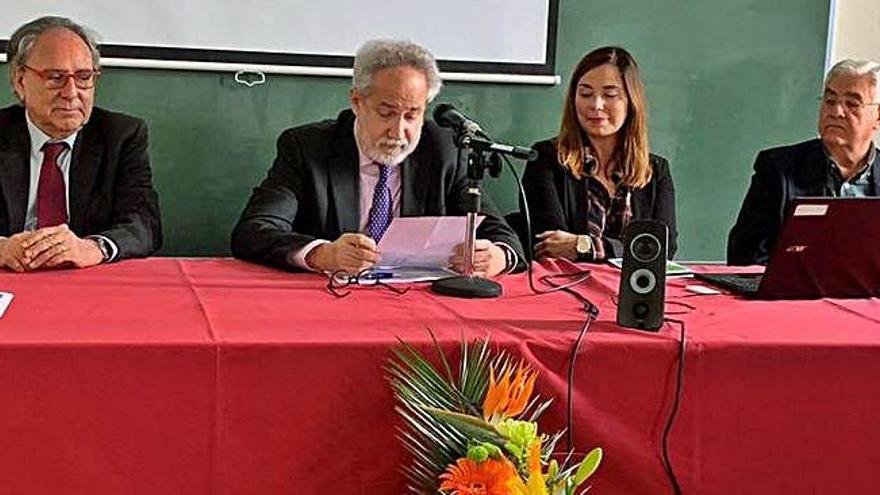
(476,432)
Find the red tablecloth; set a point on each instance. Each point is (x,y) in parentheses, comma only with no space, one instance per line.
(216,376)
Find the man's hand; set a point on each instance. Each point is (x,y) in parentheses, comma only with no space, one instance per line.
(489,259)
(351,253)
(12,251)
(556,244)
(50,247)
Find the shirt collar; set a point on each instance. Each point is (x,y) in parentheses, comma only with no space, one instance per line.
(40,138)
(865,167)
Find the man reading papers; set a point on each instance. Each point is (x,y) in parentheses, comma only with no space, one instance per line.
(335,185)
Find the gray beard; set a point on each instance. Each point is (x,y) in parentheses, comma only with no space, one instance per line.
(374,151)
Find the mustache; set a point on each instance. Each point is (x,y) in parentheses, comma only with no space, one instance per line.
(392,143)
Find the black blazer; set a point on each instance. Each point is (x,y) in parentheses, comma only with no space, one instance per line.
(557,199)
(111,190)
(312,191)
(781,174)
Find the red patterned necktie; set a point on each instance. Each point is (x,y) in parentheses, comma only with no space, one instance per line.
(51,197)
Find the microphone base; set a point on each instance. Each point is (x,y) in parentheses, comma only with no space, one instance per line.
(466,287)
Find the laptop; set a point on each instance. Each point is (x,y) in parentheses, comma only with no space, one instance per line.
(828,247)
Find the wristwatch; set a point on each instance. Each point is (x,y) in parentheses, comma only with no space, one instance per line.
(104,247)
(584,246)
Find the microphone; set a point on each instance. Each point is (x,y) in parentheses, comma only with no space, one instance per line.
(505,149)
(447,115)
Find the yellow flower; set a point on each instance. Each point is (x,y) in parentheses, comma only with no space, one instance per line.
(535,484)
(490,477)
(509,395)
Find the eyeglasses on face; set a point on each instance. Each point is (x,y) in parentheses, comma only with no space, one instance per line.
(57,79)
(850,104)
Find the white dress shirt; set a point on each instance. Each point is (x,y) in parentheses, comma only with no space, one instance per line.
(38,140)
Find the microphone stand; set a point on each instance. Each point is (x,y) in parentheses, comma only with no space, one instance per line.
(468,285)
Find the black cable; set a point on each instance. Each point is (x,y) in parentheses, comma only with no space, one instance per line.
(679,392)
(592,312)
(569,414)
(579,276)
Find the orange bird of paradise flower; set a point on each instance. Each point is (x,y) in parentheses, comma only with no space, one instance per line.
(490,477)
(509,395)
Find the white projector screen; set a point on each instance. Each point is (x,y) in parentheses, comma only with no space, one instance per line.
(485,36)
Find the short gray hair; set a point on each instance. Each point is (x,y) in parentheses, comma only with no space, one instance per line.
(379,54)
(23,39)
(857,68)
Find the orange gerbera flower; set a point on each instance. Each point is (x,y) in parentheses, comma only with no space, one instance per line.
(490,477)
(509,395)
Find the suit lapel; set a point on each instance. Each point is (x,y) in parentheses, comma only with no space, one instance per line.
(15,173)
(84,166)
(345,181)
(415,182)
(814,175)
(875,173)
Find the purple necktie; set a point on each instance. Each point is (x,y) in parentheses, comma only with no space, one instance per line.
(380,211)
(51,197)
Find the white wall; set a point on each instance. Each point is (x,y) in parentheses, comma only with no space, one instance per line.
(856,31)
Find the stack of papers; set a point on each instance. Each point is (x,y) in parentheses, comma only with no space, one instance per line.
(5,299)
(417,249)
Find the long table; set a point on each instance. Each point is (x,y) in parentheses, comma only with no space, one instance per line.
(217,376)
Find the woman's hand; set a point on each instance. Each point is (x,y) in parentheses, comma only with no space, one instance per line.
(556,244)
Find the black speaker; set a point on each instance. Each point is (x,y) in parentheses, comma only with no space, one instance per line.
(642,294)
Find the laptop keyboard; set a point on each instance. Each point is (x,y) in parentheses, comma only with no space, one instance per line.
(736,282)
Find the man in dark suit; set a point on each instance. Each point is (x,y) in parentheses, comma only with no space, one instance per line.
(844,161)
(75,181)
(335,185)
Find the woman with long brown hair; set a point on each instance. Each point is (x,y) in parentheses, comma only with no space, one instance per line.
(597,174)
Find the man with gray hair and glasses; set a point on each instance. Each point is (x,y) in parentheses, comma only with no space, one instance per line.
(75,181)
(843,161)
(335,185)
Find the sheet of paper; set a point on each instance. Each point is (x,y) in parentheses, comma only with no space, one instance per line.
(421,242)
(5,299)
(402,275)
(702,290)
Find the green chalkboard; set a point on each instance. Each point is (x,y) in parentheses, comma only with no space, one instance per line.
(724,79)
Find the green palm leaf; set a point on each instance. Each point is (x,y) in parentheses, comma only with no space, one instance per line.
(441,412)
(422,390)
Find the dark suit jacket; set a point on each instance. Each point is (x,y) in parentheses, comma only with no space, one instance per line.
(781,174)
(557,200)
(312,191)
(111,191)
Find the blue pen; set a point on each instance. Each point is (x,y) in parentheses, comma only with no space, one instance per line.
(378,275)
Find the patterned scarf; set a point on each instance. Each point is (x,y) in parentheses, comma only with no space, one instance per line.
(607,215)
